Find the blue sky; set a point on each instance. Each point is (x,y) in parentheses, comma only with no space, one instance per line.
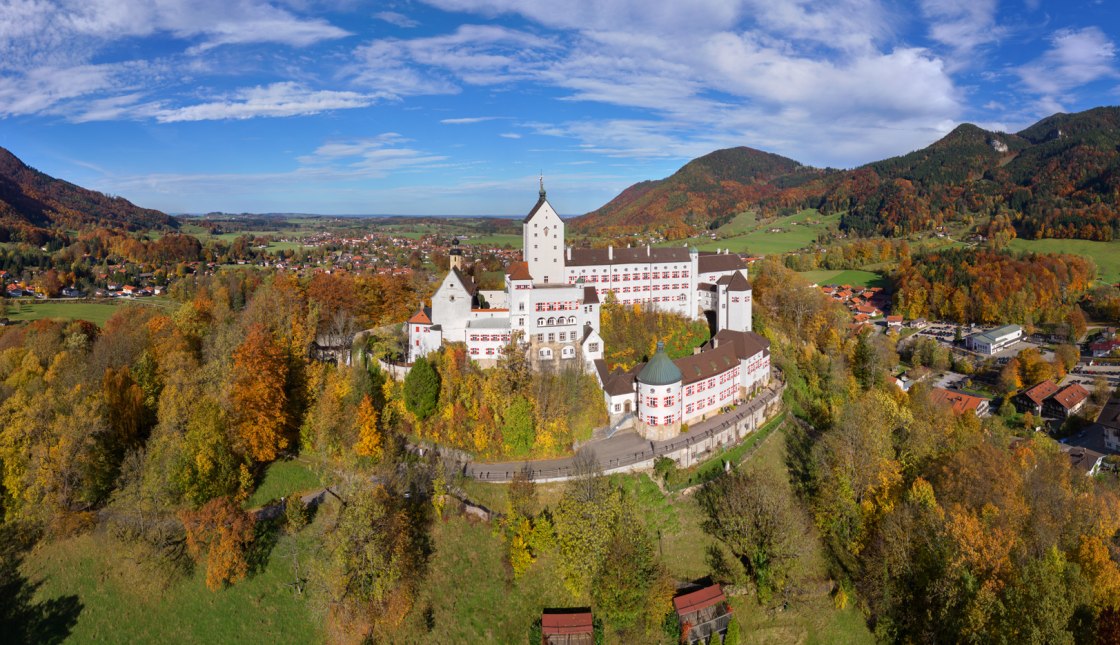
(455,106)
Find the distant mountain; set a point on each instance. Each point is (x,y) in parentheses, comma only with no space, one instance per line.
(702,194)
(1058,178)
(34,206)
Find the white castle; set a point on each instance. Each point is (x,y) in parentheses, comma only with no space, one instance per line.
(550,305)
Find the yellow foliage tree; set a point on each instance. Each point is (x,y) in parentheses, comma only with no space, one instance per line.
(257,395)
(369,437)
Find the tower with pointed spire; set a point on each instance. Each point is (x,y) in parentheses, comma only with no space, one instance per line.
(542,243)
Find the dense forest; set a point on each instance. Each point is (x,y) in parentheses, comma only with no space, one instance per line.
(945,528)
(990,286)
(1058,178)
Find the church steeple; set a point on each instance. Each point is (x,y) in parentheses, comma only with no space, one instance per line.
(542,187)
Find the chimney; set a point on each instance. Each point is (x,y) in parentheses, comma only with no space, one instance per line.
(569,254)
(610,252)
(695,350)
(647,250)
(715,342)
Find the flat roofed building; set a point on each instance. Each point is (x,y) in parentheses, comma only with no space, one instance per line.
(990,342)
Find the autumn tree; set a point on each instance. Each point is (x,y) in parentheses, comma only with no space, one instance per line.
(257,396)
(222,533)
(369,442)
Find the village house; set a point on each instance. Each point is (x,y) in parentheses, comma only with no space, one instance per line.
(1109,419)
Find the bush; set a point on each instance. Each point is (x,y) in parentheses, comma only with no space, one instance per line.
(664,468)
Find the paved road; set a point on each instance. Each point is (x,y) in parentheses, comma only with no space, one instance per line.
(623,449)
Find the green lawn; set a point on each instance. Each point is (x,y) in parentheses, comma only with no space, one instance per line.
(282,478)
(854,277)
(95,312)
(1105,254)
(121,602)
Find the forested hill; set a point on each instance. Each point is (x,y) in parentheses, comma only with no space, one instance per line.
(704,190)
(1057,178)
(33,205)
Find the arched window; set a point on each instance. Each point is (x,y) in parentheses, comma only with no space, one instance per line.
(540,322)
(552,321)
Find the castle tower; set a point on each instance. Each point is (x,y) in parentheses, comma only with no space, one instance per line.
(455,255)
(659,397)
(542,242)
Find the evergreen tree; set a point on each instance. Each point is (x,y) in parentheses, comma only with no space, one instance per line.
(421,389)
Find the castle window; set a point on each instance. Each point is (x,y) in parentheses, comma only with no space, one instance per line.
(593,347)
(552,338)
(545,353)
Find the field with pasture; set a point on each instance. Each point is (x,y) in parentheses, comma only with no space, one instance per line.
(1105,254)
(854,277)
(97,312)
(745,234)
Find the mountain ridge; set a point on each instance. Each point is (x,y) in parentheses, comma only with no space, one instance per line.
(36,207)
(1059,177)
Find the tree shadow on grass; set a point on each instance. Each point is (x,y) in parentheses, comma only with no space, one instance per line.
(22,619)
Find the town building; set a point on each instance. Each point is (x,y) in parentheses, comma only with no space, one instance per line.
(1066,403)
(1034,398)
(1109,419)
(991,342)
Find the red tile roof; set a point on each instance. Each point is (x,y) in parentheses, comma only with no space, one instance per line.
(959,401)
(575,622)
(699,599)
(1071,396)
(420,318)
(1041,392)
(519,271)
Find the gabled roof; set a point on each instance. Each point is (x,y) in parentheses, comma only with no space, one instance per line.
(465,280)
(422,317)
(709,262)
(590,296)
(747,343)
(1071,396)
(1110,414)
(556,622)
(959,401)
(540,202)
(618,382)
(738,282)
(1040,392)
(519,271)
(694,601)
(707,363)
(633,255)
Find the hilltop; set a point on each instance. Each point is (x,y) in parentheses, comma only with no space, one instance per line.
(34,205)
(1057,178)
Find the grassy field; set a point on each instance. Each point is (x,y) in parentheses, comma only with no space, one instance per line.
(497,239)
(744,234)
(95,312)
(1105,254)
(282,479)
(853,277)
(121,602)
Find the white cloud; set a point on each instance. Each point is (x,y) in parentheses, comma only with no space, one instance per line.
(275,100)
(963,26)
(467,120)
(43,88)
(1075,58)
(510,135)
(396,19)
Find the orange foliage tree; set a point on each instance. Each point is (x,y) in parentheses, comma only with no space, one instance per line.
(224,533)
(257,395)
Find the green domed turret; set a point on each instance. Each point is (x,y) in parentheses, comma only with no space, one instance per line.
(660,369)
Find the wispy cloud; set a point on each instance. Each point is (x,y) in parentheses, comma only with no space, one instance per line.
(963,26)
(467,120)
(275,100)
(510,135)
(1075,58)
(396,19)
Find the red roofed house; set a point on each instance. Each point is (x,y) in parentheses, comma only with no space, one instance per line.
(1068,402)
(567,627)
(1031,400)
(894,321)
(702,612)
(960,401)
